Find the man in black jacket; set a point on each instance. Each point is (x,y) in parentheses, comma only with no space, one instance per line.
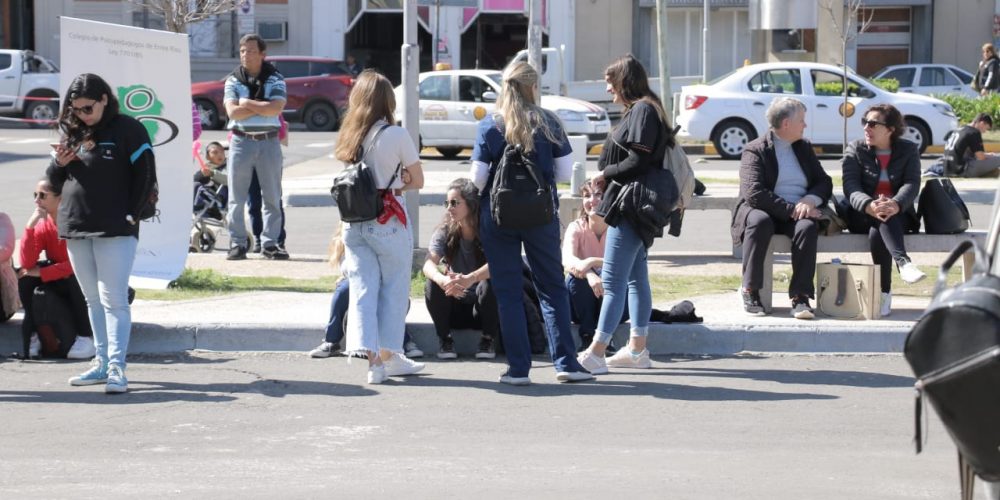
(782,184)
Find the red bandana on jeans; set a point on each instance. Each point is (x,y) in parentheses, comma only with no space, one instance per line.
(390,208)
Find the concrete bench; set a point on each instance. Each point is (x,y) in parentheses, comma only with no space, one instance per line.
(570,206)
(858,243)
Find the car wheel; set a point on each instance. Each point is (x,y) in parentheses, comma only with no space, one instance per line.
(731,137)
(449,152)
(208,114)
(918,133)
(320,117)
(42,110)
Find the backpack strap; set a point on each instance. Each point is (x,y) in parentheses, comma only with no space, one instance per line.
(364,151)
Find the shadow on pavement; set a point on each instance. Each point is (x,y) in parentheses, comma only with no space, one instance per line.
(813,377)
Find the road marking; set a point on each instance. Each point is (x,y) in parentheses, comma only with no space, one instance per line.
(320,145)
(27,141)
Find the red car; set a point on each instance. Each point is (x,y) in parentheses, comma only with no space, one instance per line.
(317,93)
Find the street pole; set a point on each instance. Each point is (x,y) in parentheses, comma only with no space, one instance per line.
(437,31)
(410,64)
(661,49)
(535,36)
(704,46)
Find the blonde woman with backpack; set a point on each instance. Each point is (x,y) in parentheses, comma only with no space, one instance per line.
(379,252)
(519,121)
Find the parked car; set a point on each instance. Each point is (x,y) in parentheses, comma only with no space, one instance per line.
(317,93)
(730,110)
(929,79)
(452,102)
(28,86)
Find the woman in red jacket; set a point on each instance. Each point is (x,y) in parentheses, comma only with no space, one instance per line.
(42,285)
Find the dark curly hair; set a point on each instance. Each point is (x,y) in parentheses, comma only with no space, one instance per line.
(892,118)
(453,230)
(87,86)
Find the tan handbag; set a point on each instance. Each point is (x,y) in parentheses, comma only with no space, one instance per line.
(849,291)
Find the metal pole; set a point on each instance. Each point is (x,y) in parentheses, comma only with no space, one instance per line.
(661,48)
(535,35)
(704,45)
(410,64)
(437,30)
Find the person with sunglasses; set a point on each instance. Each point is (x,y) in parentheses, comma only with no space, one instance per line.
(881,181)
(460,296)
(106,166)
(49,289)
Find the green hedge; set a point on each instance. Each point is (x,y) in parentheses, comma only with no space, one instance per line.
(836,88)
(966,108)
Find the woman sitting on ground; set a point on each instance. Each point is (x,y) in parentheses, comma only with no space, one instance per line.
(48,289)
(881,181)
(460,296)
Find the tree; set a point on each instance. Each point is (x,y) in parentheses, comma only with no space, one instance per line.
(847,31)
(177,14)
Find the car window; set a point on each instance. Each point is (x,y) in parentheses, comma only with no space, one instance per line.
(292,69)
(826,83)
(4,61)
(328,68)
(936,77)
(776,81)
(902,75)
(471,88)
(437,88)
(966,78)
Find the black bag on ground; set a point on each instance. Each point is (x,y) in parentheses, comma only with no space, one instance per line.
(520,198)
(54,322)
(942,208)
(954,350)
(358,198)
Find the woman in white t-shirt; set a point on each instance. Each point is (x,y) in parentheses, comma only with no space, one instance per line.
(379,252)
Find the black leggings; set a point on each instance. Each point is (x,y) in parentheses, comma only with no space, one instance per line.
(66,289)
(886,245)
(449,313)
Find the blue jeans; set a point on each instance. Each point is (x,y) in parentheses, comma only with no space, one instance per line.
(338,311)
(503,254)
(255,201)
(102,266)
(246,157)
(585,306)
(377,264)
(625,277)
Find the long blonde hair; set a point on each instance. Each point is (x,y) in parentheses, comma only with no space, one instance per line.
(337,248)
(371,100)
(518,110)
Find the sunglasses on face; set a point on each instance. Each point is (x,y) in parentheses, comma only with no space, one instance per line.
(451,203)
(85,110)
(871,123)
(40,195)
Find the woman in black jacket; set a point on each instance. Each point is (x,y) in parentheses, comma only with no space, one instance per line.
(881,180)
(633,151)
(105,163)
(988,75)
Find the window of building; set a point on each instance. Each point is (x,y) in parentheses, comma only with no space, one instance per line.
(778,81)
(436,88)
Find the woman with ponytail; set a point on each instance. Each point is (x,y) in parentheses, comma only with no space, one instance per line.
(520,121)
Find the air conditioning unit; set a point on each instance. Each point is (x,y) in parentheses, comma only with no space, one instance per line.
(273,31)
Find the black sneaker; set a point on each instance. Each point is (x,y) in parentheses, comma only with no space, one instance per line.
(801,309)
(237,253)
(274,252)
(751,302)
(256,246)
(447,350)
(486,349)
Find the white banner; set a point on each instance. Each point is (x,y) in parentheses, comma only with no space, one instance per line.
(150,72)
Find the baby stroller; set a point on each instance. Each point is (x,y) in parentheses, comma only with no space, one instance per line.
(210,203)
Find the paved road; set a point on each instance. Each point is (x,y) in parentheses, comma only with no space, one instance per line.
(257,425)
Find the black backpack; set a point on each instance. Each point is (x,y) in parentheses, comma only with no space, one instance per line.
(358,198)
(520,198)
(942,208)
(954,350)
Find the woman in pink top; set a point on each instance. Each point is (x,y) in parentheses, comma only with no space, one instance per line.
(48,288)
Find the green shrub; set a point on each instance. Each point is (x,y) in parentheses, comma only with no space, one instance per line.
(888,84)
(966,108)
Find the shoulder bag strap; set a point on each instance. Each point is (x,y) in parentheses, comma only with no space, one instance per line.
(364,151)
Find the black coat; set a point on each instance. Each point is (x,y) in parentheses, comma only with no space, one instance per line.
(759,176)
(861,171)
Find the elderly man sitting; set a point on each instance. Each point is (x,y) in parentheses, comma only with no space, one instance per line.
(781,185)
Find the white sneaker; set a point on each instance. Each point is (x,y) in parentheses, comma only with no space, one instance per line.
(83,348)
(34,346)
(573,376)
(594,364)
(324,350)
(625,359)
(399,365)
(886,304)
(520,381)
(910,273)
(376,374)
(412,351)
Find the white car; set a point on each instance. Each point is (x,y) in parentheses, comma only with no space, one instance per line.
(930,79)
(730,110)
(452,102)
